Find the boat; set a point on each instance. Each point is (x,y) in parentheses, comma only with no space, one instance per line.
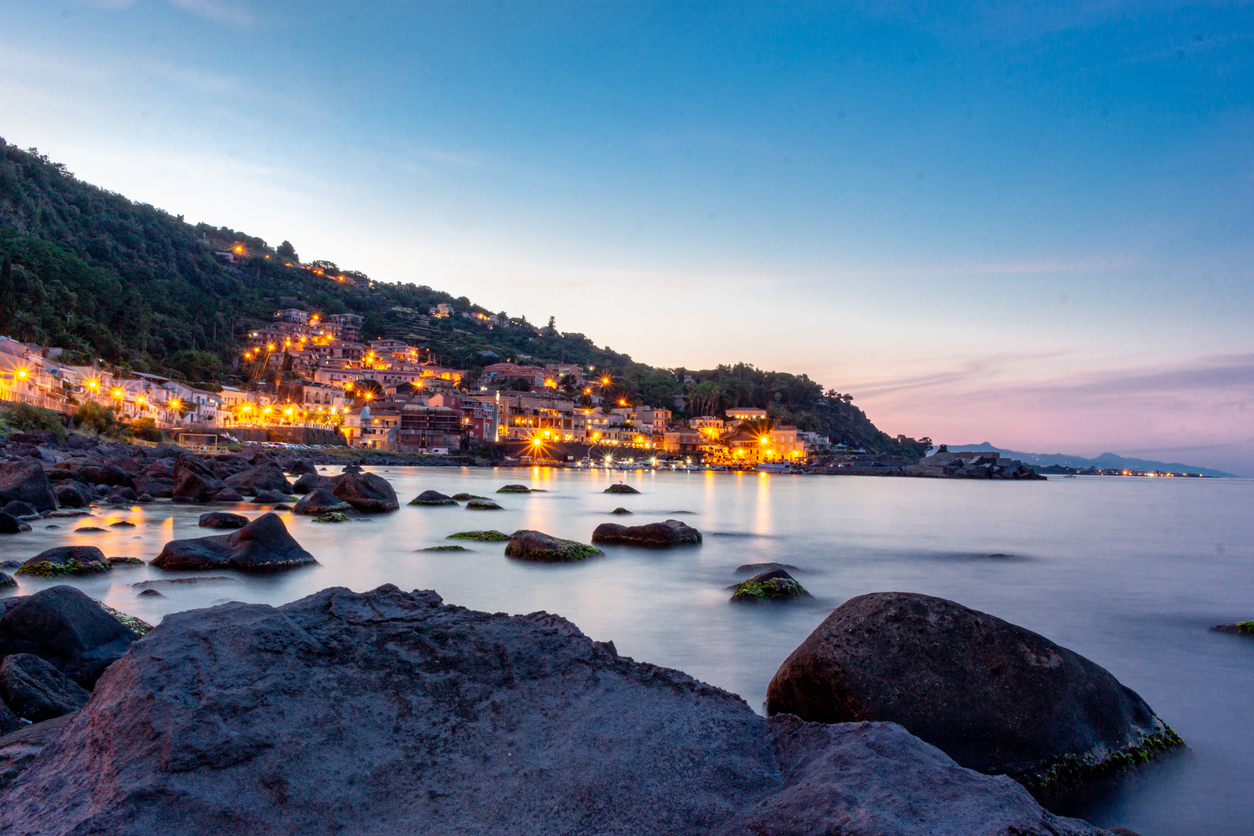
(777,467)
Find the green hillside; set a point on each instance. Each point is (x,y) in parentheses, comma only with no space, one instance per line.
(103,277)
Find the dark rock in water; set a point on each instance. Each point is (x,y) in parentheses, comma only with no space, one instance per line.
(122,524)
(351,467)
(321,501)
(124,561)
(63,626)
(144,498)
(514,489)
(6,581)
(150,593)
(117,496)
(300,467)
(194,479)
(330,517)
(445,549)
(263,545)
(221,519)
(35,690)
(432,498)
(10,524)
(480,536)
(26,482)
(995,697)
(773,585)
(182,500)
(155,486)
(653,535)
(21,510)
(268,498)
(228,495)
(765,567)
(366,492)
(266,477)
(183,581)
(538,546)
(71,494)
(66,560)
(312,481)
(621,488)
(620,510)
(465,497)
(89,529)
(482,505)
(1244,628)
(393,709)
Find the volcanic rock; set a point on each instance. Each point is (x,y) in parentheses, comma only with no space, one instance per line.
(71,493)
(261,546)
(6,581)
(312,481)
(995,697)
(21,510)
(63,626)
(366,492)
(35,690)
(538,546)
(514,489)
(66,560)
(26,482)
(194,479)
(321,501)
(268,498)
(10,524)
(266,477)
(620,487)
(221,519)
(653,535)
(771,585)
(432,498)
(480,536)
(301,467)
(482,505)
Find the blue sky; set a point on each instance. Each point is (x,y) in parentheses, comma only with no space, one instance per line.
(1015,223)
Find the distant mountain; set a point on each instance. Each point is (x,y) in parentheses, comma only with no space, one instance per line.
(1106,461)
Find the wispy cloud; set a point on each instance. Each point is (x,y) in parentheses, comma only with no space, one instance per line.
(224,13)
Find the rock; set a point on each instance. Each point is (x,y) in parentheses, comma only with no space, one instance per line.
(118,496)
(9,722)
(445,549)
(394,709)
(261,546)
(26,482)
(266,477)
(300,467)
(150,593)
(366,492)
(221,519)
(351,467)
(321,501)
(330,517)
(21,510)
(144,498)
(10,524)
(71,493)
(20,746)
(432,498)
(159,468)
(122,524)
(268,498)
(654,535)
(283,506)
(155,486)
(483,505)
(312,481)
(764,567)
(537,546)
(466,497)
(772,585)
(228,495)
(183,581)
(124,561)
(66,560)
(620,510)
(89,529)
(7,582)
(995,697)
(194,479)
(514,489)
(874,779)
(480,536)
(1244,628)
(621,488)
(35,690)
(63,626)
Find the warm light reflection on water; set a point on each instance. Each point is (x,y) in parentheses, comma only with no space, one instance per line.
(1129,572)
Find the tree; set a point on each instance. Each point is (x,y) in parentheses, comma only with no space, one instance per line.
(551,328)
(287,252)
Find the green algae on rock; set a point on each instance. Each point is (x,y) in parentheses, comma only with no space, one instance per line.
(480,536)
(544,548)
(445,549)
(774,585)
(66,560)
(330,517)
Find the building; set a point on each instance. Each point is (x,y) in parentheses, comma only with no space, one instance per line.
(423,427)
(349,326)
(746,414)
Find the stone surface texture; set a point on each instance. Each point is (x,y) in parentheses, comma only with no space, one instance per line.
(366,492)
(63,626)
(26,482)
(653,535)
(545,548)
(35,690)
(263,545)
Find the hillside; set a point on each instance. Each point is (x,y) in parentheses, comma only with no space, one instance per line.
(101,276)
(1106,461)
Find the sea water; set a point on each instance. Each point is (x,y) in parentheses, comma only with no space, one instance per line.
(1130,572)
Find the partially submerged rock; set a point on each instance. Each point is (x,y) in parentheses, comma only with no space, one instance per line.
(63,626)
(6,581)
(653,535)
(366,492)
(71,494)
(432,498)
(10,524)
(771,585)
(480,536)
(194,480)
(26,482)
(124,561)
(221,519)
(228,495)
(994,696)
(263,477)
(389,712)
(330,517)
(620,487)
(320,501)
(514,489)
(66,560)
(464,497)
(35,690)
(764,567)
(1244,628)
(269,498)
(21,510)
(482,505)
(445,549)
(264,545)
(620,510)
(538,546)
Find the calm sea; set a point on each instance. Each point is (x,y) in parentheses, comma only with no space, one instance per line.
(1129,572)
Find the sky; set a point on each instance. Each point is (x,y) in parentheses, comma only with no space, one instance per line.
(1023,223)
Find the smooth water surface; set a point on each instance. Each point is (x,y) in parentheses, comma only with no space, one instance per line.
(1129,572)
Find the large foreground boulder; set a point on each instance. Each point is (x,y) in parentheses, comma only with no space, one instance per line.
(653,535)
(264,545)
(35,690)
(366,492)
(195,480)
(994,696)
(26,482)
(386,712)
(63,626)
(66,560)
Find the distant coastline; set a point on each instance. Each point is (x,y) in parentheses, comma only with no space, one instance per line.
(1106,461)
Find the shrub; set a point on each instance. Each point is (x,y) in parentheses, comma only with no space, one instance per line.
(101,420)
(146,429)
(23,416)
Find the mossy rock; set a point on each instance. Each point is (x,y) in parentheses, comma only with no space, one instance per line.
(432,498)
(138,625)
(330,517)
(122,524)
(775,585)
(125,561)
(620,510)
(6,581)
(545,548)
(480,536)
(483,505)
(445,549)
(466,497)
(514,489)
(89,529)
(66,560)
(621,488)
(1244,628)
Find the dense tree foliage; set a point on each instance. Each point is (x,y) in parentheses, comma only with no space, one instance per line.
(103,277)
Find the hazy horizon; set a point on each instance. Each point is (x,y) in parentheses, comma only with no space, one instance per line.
(1025,227)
